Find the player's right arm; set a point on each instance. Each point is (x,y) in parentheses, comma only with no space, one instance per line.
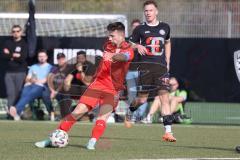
(135,40)
(141,49)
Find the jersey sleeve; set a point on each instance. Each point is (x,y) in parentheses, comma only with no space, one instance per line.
(129,54)
(135,37)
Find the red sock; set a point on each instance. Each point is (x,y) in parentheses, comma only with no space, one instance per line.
(67,122)
(98,129)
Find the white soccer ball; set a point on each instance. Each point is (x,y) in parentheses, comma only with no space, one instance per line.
(59,138)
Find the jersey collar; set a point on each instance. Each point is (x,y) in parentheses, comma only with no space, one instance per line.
(153,25)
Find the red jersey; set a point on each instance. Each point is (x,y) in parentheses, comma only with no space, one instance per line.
(110,75)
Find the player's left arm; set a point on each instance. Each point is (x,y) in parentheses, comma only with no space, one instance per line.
(168,53)
(168,47)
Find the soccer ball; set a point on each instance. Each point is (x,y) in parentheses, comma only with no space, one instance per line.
(59,138)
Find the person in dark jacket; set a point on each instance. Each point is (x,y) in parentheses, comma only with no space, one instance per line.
(15,53)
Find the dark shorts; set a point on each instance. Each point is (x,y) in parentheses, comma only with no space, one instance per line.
(153,78)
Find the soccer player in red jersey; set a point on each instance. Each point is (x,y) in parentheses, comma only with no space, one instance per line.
(104,90)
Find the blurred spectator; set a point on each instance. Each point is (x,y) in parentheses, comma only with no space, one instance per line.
(56,81)
(177,99)
(135,23)
(82,75)
(35,85)
(131,81)
(77,81)
(132,75)
(15,52)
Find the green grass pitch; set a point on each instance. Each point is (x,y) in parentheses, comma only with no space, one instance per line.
(139,142)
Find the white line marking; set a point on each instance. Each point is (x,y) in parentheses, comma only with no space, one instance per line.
(191,159)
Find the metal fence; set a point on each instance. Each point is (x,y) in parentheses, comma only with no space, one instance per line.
(187,18)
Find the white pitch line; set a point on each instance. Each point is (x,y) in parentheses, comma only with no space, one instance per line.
(191,159)
(135,125)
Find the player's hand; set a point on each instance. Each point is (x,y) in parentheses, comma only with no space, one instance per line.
(6,51)
(141,49)
(79,67)
(16,55)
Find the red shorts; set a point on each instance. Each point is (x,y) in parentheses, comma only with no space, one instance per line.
(94,97)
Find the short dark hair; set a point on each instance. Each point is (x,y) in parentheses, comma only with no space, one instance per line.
(61,55)
(135,21)
(16,26)
(81,53)
(150,2)
(42,50)
(116,26)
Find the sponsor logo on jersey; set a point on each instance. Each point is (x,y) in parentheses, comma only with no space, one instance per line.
(147,32)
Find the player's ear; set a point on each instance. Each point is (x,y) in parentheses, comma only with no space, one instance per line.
(156,11)
(123,34)
(120,33)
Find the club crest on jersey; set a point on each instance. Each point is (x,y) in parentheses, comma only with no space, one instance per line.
(162,32)
(18,49)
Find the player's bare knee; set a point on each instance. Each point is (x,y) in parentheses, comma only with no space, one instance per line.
(164,100)
(104,116)
(105,112)
(80,109)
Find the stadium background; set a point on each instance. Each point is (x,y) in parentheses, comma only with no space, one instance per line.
(205,35)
